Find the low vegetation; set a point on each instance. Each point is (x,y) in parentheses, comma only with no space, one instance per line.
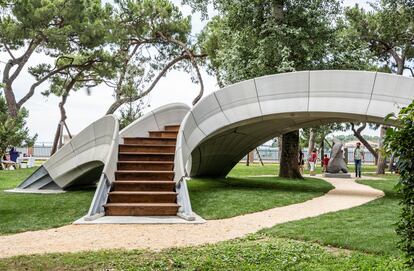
(368,228)
(255,252)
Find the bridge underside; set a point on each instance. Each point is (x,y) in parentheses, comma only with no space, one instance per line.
(219,153)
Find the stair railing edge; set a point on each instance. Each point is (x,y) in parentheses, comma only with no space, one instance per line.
(180,177)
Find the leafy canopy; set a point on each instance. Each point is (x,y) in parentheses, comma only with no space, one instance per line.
(13,131)
(400,141)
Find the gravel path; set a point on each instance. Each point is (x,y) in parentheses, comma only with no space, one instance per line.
(73,238)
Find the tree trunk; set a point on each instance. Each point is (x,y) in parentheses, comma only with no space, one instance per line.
(311,143)
(63,115)
(390,166)
(289,161)
(56,139)
(277,10)
(322,149)
(11,101)
(279,143)
(357,134)
(250,158)
(382,160)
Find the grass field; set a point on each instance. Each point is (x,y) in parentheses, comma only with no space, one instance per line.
(369,228)
(212,199)
(22,212)
(222,198)
(253,253)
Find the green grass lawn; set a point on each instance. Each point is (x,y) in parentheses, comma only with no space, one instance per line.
(228,197)
(369,228)
(218,198)
(253,253)
(241,170)
(23,212)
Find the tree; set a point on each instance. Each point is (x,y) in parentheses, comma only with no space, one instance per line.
(358,134)
(315,137)
(401,142)
(388,32)
(54,28)
(13,131)
(132,112)
(86,71)
(288,166)
(254,38)
(150,38)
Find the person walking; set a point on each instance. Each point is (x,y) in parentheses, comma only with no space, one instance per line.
(358,158)
(313,159)
(325,163)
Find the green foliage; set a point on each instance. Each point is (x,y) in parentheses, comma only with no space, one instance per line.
(322,131)
(255,38)
(388,31)
(400,141)
(142,47)
(130,113)
(55,25)
(13,131)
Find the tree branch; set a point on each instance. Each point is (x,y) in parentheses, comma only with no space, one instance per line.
(121,101)
(48,76)
(8,51)
(410,69)
(193,62)
(357,134)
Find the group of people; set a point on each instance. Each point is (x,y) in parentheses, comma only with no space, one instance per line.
(9,160)
(13,160)
(313,160)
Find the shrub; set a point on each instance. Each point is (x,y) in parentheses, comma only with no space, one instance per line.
(400,141)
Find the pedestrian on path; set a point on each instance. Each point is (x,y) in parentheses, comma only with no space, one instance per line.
(313,159)
(358,158)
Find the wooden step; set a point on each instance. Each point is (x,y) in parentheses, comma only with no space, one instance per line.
(172,128)
(150,140)
(145,156)
(147,148)
(143,185)
(163,134)
(145,165)
(143,175)
(142,197)
(141,209)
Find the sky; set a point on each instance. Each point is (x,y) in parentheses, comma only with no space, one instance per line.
(83,109)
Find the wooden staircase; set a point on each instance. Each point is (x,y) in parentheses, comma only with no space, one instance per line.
(144,183)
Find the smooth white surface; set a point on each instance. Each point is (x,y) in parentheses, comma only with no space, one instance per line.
(230,122)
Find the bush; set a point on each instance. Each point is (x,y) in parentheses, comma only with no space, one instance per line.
(12,130)
(400,141)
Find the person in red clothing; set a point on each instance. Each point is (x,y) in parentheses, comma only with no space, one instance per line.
(325,163)
(313,159)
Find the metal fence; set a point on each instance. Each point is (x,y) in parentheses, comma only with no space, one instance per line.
(267,153)
(40,149)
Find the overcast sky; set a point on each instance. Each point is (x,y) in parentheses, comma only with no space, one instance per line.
(83,109)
